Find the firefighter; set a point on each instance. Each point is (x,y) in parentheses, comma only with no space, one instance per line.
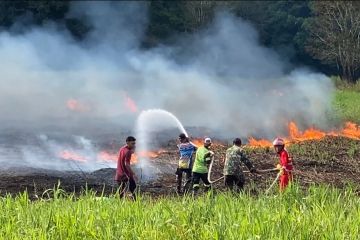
(125,177)
(200,169)
(285,166)
(233,173)
(186,151)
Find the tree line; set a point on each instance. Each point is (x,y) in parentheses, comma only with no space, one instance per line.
(323,35)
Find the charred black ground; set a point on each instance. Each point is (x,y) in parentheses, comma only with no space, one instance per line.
(333,160)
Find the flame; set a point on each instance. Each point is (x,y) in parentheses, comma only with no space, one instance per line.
(198,142)
(259,143)
(350,130)
(76,106)
(145,154)
(130,104)
(69,155)
(104,156)
(309,134)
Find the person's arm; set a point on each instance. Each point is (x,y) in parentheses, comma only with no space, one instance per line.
(207,156)
(127,164)
(247,162)
(194,146)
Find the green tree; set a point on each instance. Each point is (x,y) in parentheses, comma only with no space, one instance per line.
(334,36)
(199,13)
(166,19)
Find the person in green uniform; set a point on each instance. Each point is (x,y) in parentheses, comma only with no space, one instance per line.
(235,157)
(200,168)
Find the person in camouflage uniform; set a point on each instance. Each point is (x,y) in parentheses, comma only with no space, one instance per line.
(233,173)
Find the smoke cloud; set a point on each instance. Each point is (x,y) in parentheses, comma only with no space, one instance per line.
(220,77)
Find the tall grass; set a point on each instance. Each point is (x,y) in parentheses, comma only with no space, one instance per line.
(347,105)
(319,213)
(344,85)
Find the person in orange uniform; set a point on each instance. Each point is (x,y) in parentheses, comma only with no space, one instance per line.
(285,166)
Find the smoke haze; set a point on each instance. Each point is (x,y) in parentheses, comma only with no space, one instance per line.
(220,77)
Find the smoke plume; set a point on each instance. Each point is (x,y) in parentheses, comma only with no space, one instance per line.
(220,77)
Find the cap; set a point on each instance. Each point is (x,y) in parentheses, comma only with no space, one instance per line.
(207,140)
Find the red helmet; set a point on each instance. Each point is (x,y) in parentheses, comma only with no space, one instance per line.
(279,142)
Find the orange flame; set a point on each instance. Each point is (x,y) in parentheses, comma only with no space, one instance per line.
(69,155)
(351,130)
(104,156)
(198,142)
(145,154)
(76,106)
(130,104)
(259,143)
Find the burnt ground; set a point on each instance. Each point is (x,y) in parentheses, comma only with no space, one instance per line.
(333,161)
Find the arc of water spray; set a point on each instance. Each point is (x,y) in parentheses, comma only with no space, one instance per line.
(146,121)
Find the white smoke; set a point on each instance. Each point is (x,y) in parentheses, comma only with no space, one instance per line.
(220,77)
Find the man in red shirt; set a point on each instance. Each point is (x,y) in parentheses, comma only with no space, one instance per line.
(285,165)
(125,177)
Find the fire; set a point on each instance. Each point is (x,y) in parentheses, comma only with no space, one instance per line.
(76,106)
(104,156)
(69,155)
(351,130)
(145,154)
(198,142)
(130,104)
(259,143)
(309,134)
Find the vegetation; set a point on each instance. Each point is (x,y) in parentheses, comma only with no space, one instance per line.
(346,102)
(321,35)
(334,36)
(318,213)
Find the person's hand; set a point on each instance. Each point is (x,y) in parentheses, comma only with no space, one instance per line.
(280,168)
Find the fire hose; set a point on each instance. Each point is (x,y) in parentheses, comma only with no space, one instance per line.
(259,171)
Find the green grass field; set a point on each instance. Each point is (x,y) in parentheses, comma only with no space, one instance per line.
(347,105)
(346,102)
(321,213)
(316,213)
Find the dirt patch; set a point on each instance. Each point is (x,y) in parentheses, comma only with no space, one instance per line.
(333,160)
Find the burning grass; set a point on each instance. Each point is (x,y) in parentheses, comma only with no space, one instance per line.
(318,213)
(350,130)
(321,205)
(330,160)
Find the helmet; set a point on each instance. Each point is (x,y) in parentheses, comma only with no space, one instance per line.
(279,142)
